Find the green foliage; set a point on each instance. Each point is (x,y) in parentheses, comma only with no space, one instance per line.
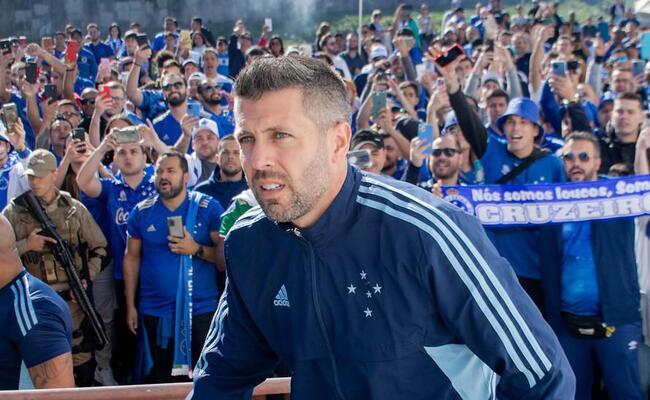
(293,33)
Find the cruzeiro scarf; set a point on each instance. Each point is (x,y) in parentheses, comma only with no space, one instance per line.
(183,316)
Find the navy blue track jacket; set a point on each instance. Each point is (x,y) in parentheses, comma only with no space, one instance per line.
(392,294)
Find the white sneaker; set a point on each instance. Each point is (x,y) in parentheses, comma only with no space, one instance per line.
(105,376)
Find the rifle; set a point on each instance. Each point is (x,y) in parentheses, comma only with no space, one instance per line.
(62,253)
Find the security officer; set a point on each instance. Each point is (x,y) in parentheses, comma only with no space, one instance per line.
(80,231)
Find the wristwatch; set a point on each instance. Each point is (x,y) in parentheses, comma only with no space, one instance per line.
(199,252)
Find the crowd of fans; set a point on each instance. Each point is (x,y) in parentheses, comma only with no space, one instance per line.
(131,127)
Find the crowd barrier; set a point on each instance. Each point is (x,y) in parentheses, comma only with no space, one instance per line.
(170,391)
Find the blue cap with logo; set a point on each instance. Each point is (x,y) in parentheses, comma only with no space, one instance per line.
(450,121)
(522,107)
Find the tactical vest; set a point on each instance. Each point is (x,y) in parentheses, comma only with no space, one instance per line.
(63,212)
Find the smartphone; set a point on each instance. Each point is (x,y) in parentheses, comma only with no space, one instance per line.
(603,29)
(378,103)
(5,46)
(489,45)
(638,67)
(185,38)
(269,22)
(425,132)
(194,109)
(72,51)
(128,134)
(142,39)
(31,72)
(360,158)
(440,84)
(78,133)
(49,92)
(9,114)
(105,91)
(47,43)
(175,225)
(559,68)
(644,42)
(572,66)
(451,54)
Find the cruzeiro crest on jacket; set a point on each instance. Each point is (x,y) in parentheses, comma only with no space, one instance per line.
(364,287)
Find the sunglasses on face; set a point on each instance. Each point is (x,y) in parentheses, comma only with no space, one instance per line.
(448,152)
(583,156)
(208,88)
(87,101)
(176,85)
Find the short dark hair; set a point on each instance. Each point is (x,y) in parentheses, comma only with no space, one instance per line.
(256,51)
(630,96)
(405,32)
(181,159)
(323,92)
(410,84)
(587,137)
(162,57)
(497,93)
(228,138)
(197,19)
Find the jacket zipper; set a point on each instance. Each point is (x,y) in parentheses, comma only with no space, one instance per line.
(319,316)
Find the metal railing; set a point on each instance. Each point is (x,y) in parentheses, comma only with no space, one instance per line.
(170,391)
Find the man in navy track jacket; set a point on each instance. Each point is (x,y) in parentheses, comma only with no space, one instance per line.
(367,288)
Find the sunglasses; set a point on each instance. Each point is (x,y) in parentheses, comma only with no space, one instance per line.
(448,152)
(207,88)
(176,85)
(583,156)
(87,101)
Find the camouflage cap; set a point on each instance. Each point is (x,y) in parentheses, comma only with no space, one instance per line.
(41,162)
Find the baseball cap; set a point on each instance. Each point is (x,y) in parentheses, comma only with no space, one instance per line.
(4,138)
(522,107)
(206,125)
(196,76)
(190,61)
(40,163)
(491,76)
(131,34)
(378,51)
(364,137)
(293,50)
(608,97)
(450,121)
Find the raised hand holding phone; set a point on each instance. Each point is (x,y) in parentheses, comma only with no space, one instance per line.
(71,51)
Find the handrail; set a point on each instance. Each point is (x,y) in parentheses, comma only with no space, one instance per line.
(168,391)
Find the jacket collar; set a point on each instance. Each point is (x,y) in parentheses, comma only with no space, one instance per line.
(338,217)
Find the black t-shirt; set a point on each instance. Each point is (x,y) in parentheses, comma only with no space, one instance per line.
(617,153)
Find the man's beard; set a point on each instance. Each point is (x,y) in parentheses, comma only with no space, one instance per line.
(311,186)
(176,100)
(212,101)
(173,190)
(230,173)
